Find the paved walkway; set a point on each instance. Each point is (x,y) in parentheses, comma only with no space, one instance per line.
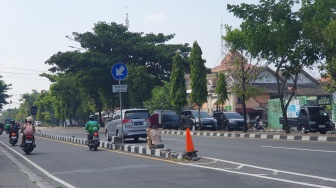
(11,175)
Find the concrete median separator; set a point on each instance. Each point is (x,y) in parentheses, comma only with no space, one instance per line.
(154,152)
(265,134)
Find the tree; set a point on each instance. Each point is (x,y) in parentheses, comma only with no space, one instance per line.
(319,25)
(244,71)
(221,90)
(177,90)
(3,90)
(106,45)
(139,85)
(198,80)
(273,31)
(160,100)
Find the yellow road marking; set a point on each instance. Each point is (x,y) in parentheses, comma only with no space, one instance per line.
(115,151)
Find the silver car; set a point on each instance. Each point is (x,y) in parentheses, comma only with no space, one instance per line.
(134,122)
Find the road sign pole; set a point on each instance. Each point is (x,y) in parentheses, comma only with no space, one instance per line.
(119,72)
(121,118)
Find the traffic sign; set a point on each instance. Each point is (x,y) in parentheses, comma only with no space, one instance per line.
(33,110)
(119,88)
(119,71)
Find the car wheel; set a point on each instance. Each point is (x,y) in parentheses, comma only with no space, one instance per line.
(136,139)
(303,130)
(163,127)
(323,132)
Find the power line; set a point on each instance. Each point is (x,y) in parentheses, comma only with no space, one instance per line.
(26,78)
(20,73)
(21,69)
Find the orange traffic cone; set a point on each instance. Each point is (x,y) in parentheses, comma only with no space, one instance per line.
(190,150)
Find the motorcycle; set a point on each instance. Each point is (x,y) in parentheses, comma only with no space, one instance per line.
(28,145)
(1,130)
(94,141)
(13,138)
(260,126)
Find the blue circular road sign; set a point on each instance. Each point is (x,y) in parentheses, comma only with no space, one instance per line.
(119,71)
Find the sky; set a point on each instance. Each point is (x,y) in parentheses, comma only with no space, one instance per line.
(32,31)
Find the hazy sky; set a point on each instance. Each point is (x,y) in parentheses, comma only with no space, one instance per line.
(32,31)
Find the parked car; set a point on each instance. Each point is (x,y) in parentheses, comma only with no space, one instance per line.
(310,119)
(134,122)
(190,119)
(168,119)
(233,121)
(38,123)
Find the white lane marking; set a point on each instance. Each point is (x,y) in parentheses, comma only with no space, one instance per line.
(274,147)
(270,169)
(40,168)
(31,175)
(173,139)
(257,175)
(240,166)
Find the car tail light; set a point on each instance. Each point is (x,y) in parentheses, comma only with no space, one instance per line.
(148,119)
(95,134)
(126,121)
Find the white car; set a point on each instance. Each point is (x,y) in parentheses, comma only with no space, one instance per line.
(134,123)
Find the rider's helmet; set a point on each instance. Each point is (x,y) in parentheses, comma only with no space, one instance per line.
(12,122)
(30,119)
(91,118)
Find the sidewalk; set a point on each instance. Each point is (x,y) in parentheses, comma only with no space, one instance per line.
(10,173)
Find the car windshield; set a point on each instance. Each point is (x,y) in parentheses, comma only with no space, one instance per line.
(137,114)
(233,116)
(202,114)
(317,112)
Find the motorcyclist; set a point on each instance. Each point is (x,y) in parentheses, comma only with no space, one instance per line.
(7,126)
(13,128)
(257,124)
(28,129)
(2,126)
(91,126)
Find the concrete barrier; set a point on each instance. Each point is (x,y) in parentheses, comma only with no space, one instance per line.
(162,153)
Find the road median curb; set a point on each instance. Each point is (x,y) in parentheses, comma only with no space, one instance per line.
(162,153)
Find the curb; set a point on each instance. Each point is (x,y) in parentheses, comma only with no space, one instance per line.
(162,153)
(259,134)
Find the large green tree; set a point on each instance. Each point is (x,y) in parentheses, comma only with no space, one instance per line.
(221,90)
(245,69)
(3,92)
(160,99)
(108,44)
(274,31)
(319,25)
(177,90)
(198,80)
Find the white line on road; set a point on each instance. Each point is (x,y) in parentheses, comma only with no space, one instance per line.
(270,169)
(258,176)
(173,139)
(40,168)
(325,151)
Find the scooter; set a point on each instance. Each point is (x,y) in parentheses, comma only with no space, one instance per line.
(260,126)
(28,144)
(13,139)
(94,141)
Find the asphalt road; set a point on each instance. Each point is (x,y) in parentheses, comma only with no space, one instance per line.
(256,165)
